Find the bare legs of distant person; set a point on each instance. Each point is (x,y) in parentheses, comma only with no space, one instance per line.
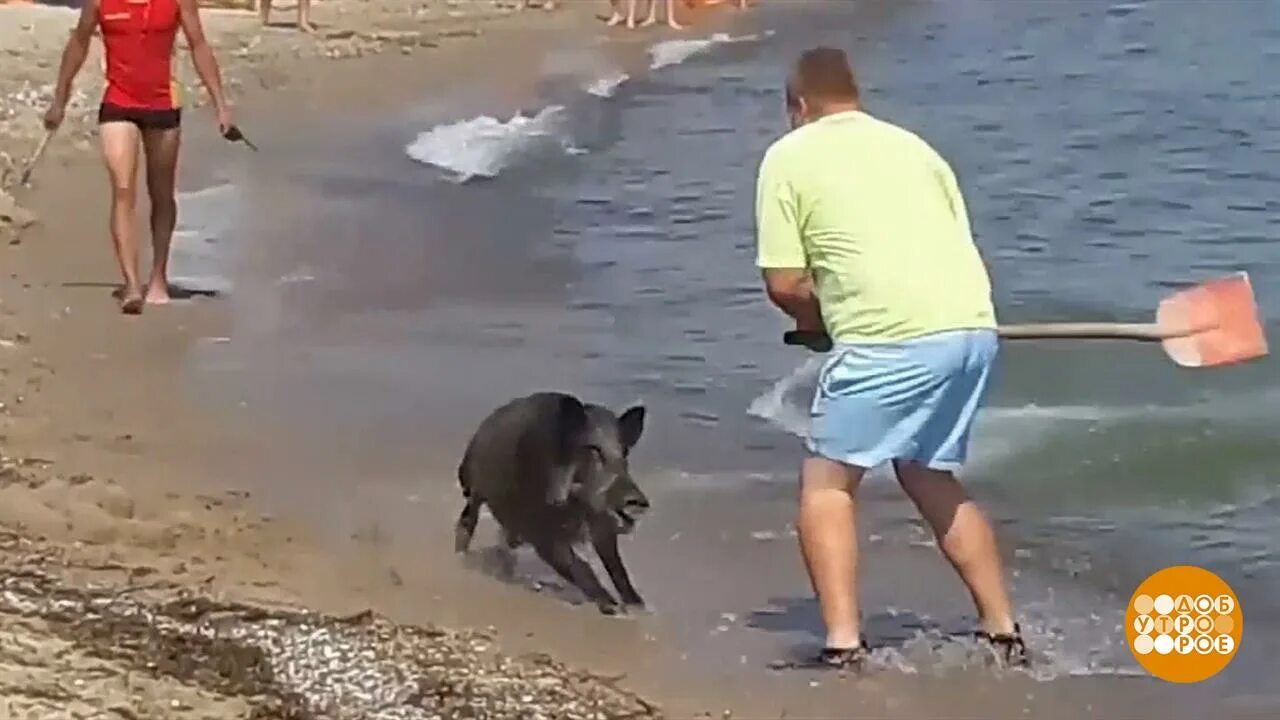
(120,144)
(829,542)
(629,17)
(653,15)
(304,14)
(616,16)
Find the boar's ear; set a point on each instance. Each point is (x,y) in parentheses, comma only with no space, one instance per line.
(631,425)
(570,429)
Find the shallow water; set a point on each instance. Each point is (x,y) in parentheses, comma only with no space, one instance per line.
(1109,153)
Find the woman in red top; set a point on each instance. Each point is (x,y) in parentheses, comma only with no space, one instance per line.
(140,107)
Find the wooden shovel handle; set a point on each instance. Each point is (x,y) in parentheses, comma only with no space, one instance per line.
(1145,332)
(1149,332)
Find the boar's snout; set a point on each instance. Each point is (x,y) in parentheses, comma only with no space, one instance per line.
(629,507)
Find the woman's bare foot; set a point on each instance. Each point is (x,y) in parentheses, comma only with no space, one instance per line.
(671,23)
(615,20)
(131,301)
(649,21)
(158,294)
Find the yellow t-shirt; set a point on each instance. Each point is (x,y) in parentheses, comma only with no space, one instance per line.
(876,216)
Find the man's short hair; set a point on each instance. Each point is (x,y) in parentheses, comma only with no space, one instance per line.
(822,74)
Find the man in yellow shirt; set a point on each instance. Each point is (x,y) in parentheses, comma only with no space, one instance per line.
(863,234)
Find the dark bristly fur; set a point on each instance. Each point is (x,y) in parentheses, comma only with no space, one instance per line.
(554,472)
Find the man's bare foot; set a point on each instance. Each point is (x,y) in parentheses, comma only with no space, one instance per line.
(158,294)
(131,301)
(307,27)
(671,23)
(649,21)
(614,20)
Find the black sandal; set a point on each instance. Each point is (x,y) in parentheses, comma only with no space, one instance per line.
(1010,649)
(829,658)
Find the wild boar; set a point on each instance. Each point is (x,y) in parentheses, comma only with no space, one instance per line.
(554,474)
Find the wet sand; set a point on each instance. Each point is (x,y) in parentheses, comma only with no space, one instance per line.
(98,396)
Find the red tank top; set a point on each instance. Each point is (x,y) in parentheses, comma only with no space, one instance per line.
(138,36)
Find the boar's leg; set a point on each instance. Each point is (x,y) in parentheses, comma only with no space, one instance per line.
(561,557)
(507,554)
(466,524)
(606,545)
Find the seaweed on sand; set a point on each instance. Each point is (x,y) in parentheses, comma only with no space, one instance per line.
(300,665)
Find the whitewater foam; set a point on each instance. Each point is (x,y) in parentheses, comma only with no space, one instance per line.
(786,404)
(674,52)
(606,86)
(484,146)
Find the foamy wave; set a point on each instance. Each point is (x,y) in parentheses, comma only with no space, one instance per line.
(606,86)
(201,258)
(1003,432)
(674,52)
(786,404)
(485,146)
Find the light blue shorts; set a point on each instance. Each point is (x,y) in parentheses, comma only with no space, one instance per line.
(913,400)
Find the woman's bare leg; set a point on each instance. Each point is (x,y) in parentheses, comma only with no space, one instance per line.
(120,152)
(162,178)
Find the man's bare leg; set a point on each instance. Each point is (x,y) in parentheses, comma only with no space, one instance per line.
(965,537)
(162,178)
(829,544)
(264,12)
(120,151)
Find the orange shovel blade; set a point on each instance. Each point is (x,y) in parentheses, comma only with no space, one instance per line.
(1216,322)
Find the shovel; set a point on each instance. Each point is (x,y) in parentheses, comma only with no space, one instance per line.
(1208,325)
